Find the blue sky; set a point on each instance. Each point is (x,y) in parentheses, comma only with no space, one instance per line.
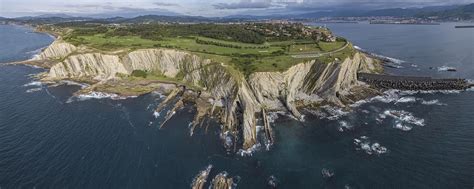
(13,8)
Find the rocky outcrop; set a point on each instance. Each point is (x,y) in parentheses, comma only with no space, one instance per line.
(57,50)
(306,83)
(222,181)
(92,65)
(201,178)
(243,99)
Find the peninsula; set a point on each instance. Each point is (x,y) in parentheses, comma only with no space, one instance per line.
(236,73)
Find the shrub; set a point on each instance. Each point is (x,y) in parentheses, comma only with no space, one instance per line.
(139,73)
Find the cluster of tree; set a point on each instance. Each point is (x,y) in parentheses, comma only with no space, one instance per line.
(234,33)
(281,32)
(90,30)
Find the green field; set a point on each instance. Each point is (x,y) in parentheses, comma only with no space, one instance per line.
(248,58)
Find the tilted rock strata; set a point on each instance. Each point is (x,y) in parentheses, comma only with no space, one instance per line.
(57,50)
(308,82)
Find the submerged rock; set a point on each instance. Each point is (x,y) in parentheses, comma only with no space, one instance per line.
(272,181)
(222,181)
(327,173)
(201,178)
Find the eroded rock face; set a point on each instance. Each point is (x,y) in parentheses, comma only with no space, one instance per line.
(243,99)
(57,50)
(96,65)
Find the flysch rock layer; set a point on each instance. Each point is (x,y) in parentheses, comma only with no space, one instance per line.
(243,98)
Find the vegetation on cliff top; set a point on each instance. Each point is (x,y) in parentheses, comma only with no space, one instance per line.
(251,47)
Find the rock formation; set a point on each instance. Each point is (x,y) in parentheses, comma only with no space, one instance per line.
(242,99)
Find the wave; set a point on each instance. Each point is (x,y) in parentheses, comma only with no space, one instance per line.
(446,68)
(34,90)
(156,114)
(386,58)
(406,99)
(433,102)
(363,143)
(403,119)
(334,113)
(69,82)
(403,96)
(33,83)
(344,126)
(249,152)
(98,95)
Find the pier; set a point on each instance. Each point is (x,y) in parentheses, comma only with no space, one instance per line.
(413,83)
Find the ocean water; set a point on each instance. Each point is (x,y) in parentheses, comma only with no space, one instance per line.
(399,140)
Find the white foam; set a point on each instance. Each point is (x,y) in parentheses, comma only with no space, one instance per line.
(34,90)
(156,114)
(334,112)
(68,82)
(404,116)
(273,116)
(433,102)
(98,95)
(406,100)
(156,93)
(402,127)
(445,68)
(363,143)
(249,152)
(33,83)
(344,126)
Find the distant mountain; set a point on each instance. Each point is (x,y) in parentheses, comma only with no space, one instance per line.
(395,12)
(465,12)
(163,18)
(132,13)
(54,15)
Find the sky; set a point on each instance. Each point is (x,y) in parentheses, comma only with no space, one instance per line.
(16,8)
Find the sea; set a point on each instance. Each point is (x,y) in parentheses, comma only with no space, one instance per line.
(401,139)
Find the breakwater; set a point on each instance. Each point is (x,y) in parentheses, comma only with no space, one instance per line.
(412,83)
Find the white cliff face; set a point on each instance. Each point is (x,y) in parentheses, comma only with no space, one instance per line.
(93,65)
(308,82)
(243,99)
(57,50)
(167,61)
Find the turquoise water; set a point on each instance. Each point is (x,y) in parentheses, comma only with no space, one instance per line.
(52,141)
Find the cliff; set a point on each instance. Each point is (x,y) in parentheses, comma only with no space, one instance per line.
(242,99)
(57,50)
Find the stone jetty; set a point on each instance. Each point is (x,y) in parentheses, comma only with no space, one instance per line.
(412,83)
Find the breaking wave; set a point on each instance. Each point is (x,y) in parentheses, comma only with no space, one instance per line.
(344,126)
(33,83)
(446,68)
(398,96)
(34,90)
(403,120)
(249,152)
(68,82)
(98,95)
(386,58)
(364,144)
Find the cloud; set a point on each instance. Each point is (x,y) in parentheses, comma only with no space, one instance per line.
(164,4)
(245,4)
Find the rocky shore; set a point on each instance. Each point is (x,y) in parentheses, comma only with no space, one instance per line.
(413,83)
(240,103)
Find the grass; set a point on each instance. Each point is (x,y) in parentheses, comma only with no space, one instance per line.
(330,46)
(307,48)
(112,43)
(248,58)
(190,44)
